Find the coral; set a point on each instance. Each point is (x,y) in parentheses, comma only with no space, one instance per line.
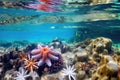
(100,45)
(21,74)
(70,72)
(44,54)
(108,68)
(56,65)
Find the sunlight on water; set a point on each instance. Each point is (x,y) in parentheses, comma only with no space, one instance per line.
(72,18)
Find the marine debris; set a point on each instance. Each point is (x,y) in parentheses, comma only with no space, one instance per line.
(93,59)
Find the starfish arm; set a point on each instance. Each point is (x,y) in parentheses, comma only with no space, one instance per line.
(35,51)
(18,73)
(22,71)
(36,56)
(53,57)
(48,62)
(72,67)
(35,66)
(54,52)
(40,62)
(31,68)
(27,65)
(73,77)
(69,77)
(26,76)
(73,73)
(73,70)
(25,72)
(67,66)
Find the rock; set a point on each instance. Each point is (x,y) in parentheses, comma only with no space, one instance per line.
(2,49)
(56,43)
(81,75)
(113,66)
(49,77)
(30,47)
(83,44)
(9,75)
(78,66)
(68,58)
(81,55)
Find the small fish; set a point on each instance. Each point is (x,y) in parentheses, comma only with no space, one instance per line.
(52,2)
(43,7)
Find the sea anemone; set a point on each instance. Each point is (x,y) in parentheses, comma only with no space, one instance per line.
(70,72)
(21,74)
(44,54)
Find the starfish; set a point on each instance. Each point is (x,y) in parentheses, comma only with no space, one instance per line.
(30,64)
(23,56)
(44,54)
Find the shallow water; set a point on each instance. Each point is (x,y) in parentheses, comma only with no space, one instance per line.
(73,23)
(71,43)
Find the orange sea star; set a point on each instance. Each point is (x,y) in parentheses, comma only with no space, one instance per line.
(30,64)
(23,56)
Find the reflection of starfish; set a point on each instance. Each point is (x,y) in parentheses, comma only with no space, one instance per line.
(30,64)
(44,54)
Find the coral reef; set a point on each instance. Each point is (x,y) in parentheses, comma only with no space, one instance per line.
(100,45)
(93,59)
(108,69)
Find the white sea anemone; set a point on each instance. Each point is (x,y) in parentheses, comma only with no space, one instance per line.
(21,74)
(69,71)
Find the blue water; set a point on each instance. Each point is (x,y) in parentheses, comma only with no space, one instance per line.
(72,23)
(36,36)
